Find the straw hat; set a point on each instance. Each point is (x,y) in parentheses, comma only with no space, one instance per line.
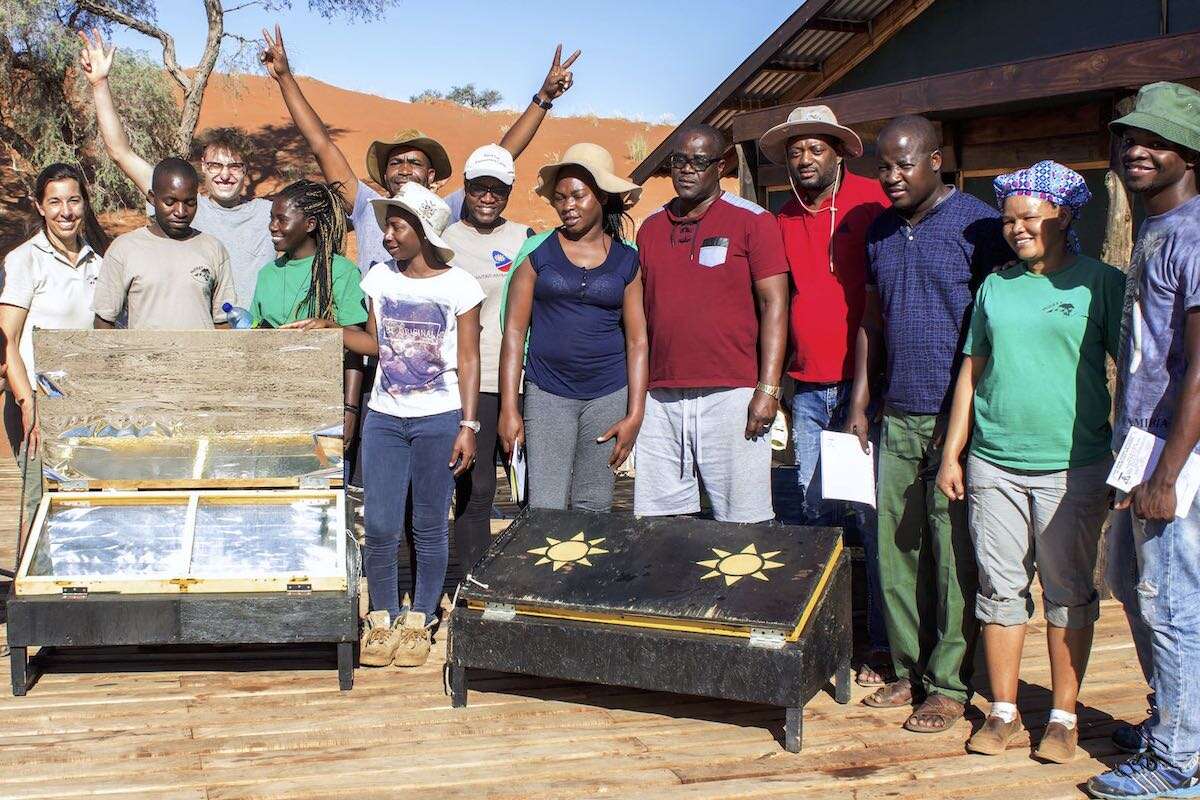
(429,209)
(377,154)
(599,164)
(810,120)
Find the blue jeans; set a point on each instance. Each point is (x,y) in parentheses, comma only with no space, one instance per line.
(1154,570)
(820,407)
(397,452)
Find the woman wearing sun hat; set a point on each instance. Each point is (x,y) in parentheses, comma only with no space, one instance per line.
(576,291)
(1033,395)
(420,428)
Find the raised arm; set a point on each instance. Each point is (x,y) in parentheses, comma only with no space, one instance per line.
(330,157)
(558,80)
(96,61)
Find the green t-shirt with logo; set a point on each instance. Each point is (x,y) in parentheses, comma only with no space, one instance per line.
(283,285)
(1042,402)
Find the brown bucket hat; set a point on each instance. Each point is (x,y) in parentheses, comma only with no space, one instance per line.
(377,154)
(599,163)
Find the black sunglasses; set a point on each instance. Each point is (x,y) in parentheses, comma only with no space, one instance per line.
(698,163)
(478,190)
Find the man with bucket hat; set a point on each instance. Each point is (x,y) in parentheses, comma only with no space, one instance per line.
(407,156)
(824,227)
(1154,560)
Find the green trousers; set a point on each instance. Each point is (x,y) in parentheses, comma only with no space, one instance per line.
(927,569)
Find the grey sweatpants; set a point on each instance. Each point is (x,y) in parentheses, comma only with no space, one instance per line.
(567,468)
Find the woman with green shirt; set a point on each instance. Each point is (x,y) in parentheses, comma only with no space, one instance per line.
(1034,383)
(312,285)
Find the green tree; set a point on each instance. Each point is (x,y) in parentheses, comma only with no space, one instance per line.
(466,95)
(46,113)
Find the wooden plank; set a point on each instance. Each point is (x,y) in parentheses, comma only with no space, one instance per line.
(1117,67)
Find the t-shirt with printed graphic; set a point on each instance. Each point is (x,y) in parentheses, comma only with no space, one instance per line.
(1042,402)
(163,283)
(1162,286)
(416,321)
(488,257)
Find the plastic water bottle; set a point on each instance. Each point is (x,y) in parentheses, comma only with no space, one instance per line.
(238,317)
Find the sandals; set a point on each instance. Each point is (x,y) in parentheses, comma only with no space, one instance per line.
(938,713)
(875,670)
(891,695)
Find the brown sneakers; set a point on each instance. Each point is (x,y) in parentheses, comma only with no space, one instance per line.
(379,640)
(995,735)
(413,641)
(1058,743)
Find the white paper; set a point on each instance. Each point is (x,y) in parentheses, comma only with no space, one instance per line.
(847,473)
(1137,459)
(516,474)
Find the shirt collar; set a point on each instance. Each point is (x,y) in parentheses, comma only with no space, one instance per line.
(945,201)
(42,242)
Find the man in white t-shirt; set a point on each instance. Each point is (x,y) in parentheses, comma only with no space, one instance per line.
(485,245)
(240,224)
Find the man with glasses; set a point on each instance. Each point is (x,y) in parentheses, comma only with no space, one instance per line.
(484,244)
(409,156)
(716,296)
(222,211)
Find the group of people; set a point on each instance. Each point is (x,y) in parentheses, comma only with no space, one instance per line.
(965,345)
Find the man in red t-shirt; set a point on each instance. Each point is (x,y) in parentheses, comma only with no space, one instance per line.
(716,298)
(824,228)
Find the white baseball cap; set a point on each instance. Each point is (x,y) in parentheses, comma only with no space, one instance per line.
(493,161)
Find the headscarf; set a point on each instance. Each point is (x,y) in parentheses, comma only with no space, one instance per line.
(1049,180)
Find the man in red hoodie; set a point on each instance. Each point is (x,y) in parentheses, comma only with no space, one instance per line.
(824,227)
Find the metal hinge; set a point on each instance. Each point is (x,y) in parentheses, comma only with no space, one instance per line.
(75,592)
(298,587)
(761,637)
(499,612)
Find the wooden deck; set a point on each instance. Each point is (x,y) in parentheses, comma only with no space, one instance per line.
(272,724)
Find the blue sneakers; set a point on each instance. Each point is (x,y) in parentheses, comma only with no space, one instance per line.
(1144,777)
(1132,738)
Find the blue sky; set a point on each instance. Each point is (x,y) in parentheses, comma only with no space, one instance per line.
(641,59)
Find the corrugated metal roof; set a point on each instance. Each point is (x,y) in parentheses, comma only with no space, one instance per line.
(798,59)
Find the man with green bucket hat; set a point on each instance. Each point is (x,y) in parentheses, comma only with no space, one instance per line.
(1154,561)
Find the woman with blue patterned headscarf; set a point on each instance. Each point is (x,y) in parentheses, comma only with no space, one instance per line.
(1032,396)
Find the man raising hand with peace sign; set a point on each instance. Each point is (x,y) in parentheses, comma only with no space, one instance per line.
(409,156)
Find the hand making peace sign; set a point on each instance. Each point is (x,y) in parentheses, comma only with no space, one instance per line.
(559,78)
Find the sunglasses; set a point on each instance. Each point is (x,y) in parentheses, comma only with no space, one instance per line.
(478,190)
(699,163)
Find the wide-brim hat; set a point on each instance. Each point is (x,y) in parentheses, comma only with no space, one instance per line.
(429,209)
(599,164)
(809,121)
(380,149)
(1171,110)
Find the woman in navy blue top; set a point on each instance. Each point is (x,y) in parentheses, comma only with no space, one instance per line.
(578,297)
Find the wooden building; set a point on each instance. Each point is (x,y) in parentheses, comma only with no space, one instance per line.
(1009,82)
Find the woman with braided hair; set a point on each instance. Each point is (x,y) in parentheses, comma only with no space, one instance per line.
(311,284)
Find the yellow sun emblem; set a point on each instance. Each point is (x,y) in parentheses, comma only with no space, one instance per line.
(735,566)
(561,552)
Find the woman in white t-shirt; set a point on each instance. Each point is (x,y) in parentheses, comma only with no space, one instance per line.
(421,421)
(48,283)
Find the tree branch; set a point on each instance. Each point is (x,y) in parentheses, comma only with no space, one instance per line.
(147,29)
(240,6)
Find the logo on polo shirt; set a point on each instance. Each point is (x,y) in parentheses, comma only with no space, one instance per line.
(502,262)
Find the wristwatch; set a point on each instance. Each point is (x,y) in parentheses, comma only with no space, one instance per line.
(769,390)
(546,104)
(473,424)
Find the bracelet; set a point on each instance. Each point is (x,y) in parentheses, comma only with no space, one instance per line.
(349,407)
(546,105)
(769,390)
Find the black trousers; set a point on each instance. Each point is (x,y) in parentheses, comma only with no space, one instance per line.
(475,490)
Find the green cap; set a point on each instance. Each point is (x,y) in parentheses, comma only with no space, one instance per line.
(1171,110)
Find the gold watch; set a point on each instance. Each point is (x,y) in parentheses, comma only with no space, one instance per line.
(768,389)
